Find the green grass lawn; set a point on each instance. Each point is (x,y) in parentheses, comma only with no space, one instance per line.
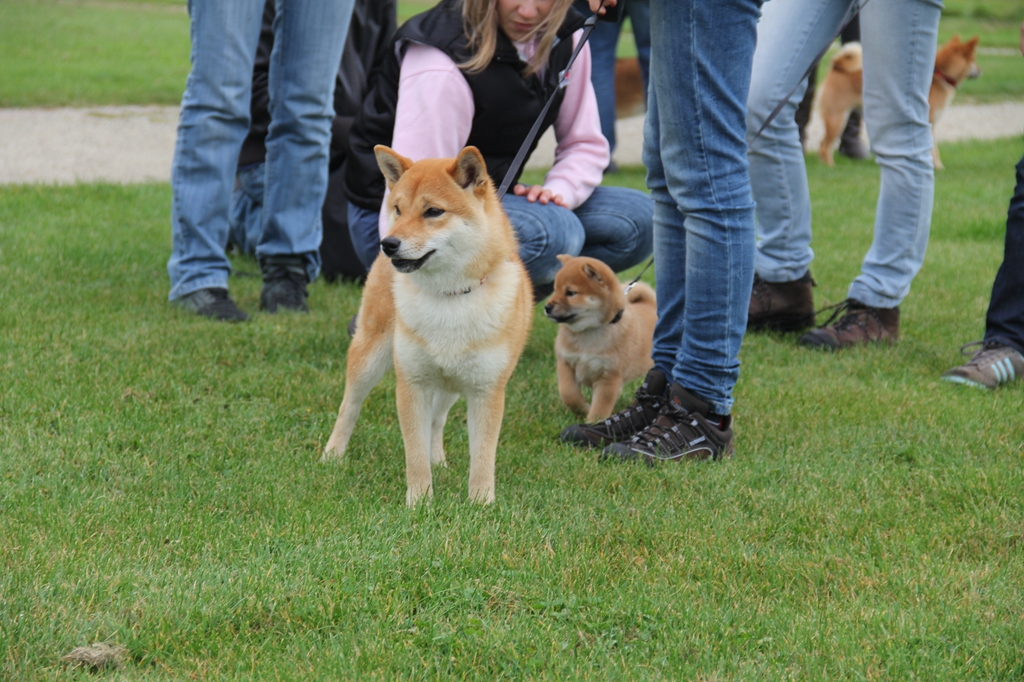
(160,485)
(63,53)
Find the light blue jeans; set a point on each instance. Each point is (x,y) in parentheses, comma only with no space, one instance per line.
(696,156)
(308,38)
(614,225)
(898,38)
(246,216)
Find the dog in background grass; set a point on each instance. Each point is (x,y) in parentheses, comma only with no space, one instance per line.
(843,87)
(448,304)
(604,336)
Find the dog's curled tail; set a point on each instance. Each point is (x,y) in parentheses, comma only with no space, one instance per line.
(849,59)
(641,293)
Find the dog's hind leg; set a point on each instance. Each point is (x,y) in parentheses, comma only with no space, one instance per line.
(369,357)
(485,410)
(416,416)
(443,402)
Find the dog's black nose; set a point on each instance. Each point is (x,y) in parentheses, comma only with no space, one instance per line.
(389,245)
(548,307)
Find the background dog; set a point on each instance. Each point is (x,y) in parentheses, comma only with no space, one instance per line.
(604,335)
(842,88)
(449,305)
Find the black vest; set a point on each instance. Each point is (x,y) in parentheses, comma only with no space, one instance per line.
(506,103)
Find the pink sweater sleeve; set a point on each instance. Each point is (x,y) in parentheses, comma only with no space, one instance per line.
(582,152)
(434,114)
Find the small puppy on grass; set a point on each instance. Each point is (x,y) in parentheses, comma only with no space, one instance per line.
(605,334)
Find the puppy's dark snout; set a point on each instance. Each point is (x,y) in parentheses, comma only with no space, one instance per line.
(389,245)
(549,307)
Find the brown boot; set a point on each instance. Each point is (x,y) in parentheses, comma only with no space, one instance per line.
(781,306)
(857,325)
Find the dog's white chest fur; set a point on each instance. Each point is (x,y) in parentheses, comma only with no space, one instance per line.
(455,340)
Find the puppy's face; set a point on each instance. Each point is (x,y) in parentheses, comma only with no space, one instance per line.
(586,294)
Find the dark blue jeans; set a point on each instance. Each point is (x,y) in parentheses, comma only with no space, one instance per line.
(1005,320)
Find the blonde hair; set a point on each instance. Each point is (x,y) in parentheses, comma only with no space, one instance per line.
(480,18)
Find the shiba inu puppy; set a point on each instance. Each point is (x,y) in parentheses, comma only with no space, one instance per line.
(843,88)
(448,304)
(954,63)
(605,334)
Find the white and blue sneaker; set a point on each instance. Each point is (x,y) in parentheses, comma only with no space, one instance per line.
(991,366)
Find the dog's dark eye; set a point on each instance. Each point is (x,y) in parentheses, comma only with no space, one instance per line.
(569,293)
(432,213)
(398,211)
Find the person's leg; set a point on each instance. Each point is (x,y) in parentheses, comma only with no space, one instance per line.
(544,231)
(618,223)
(696,153)
(247,209)
(214,120)
(900,32)
(789,37)
(603,41)
(1004,322)
(639,12)
(308,39)
(363,228)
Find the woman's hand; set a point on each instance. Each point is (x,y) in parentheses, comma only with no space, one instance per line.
(538,193)
(596,4)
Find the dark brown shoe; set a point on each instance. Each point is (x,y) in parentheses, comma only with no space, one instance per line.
(855,324)
(781,306)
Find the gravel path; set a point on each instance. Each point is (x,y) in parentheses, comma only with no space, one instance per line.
(136,143)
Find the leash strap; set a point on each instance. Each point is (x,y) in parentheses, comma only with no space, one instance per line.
(851,11)
(517,162)
(637,278)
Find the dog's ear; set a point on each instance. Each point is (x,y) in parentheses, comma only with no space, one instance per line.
(972,43)
(955,40)
(392,164)
(593,274)
(563,258)
(470,169)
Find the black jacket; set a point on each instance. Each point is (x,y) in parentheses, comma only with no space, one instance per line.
(506,102)
(370,33)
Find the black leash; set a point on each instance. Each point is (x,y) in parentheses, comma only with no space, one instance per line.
(851,11)
(588,27)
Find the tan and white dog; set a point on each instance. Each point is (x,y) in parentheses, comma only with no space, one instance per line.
(954,63)
(448,304)
(604,336)
(843,87)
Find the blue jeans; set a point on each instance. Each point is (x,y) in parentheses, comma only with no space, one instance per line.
(603,42)
(893,32)
(246,217)
(1005,319)
(696,156)
(308,38)
(614,225)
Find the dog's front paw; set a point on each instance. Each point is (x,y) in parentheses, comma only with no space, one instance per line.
(416,495)
(482,495)
(334,452)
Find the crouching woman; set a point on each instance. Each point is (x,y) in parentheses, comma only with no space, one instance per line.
(478,72)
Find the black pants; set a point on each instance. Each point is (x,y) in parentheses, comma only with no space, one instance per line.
(1005,320)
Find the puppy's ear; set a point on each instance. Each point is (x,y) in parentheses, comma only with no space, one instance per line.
(563,258)
(955,40)
(392,164)
(972,43)
(470,169)
(593,274)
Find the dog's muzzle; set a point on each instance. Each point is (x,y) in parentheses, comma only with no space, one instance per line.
(549,311)
(390,247)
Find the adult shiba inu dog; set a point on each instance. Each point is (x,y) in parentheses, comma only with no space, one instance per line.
(843,87)
(954,63)
(448,304)
(605,334)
